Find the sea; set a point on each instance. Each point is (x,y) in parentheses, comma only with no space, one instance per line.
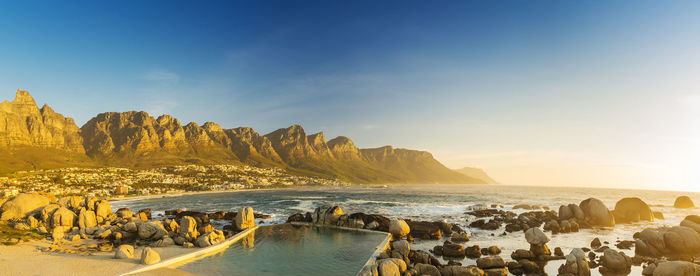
(437,202)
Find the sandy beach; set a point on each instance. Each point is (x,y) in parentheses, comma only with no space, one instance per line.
(29,259)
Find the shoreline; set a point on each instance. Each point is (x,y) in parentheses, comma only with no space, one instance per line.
(142,197)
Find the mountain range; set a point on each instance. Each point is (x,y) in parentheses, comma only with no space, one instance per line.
(39,138)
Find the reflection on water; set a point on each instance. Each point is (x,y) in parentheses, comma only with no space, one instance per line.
(292,250)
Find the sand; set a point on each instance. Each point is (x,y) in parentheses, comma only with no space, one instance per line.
(28,259)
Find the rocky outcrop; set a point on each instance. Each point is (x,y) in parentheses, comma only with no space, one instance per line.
(399,228)
(245,218)
(615,262)
(149,256)
(576,264)
(22,123)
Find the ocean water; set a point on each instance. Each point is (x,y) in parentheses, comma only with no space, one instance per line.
(437,202)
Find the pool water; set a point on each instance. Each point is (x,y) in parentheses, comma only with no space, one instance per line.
(292,250)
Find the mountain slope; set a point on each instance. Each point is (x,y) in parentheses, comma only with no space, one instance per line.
(478,174)
(33,138)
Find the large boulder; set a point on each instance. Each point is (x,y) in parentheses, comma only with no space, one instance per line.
(211,238)
(597,213)
(490,262)
(692,221)
(47,213)
(632,209)
(245,218)
(188,228)
(615,262)
(124,251)
(675,268)
(391,267)
(425,269)
(399,228)
(103,209)
(684,202)
(565,212)
(86,219)
(535,236)
(149,256)
(576,264)
(577,211)
(151,231)
(63,217)
(681,240)
(22,205)
(327,215)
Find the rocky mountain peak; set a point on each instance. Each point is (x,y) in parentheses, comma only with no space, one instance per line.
(23,97)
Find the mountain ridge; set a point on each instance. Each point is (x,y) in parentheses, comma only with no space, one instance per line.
(138,140)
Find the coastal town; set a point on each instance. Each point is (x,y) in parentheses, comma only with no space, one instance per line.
(123,182)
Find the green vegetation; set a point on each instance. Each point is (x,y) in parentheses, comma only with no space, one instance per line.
(10,235)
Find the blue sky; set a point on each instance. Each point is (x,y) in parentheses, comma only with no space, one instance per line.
(594,93)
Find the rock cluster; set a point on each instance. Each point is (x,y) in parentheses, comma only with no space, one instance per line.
(677,241)
(576,264)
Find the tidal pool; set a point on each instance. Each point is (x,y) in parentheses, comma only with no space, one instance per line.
(288,249)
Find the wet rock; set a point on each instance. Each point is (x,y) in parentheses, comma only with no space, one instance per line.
(325,215)
(496,272)
(577,211)
(558,252)
(625,244)
(595,243)
(188,228)
(529,267)
(649,270)
(149,256)
(423,269)
(692,221)
(452,270)
(124,251)
(596,213)
(540,250)
(683,202)
(454,250)
(522,254)
(614,261)
(399,228)
(535,236)
(565,213)
(424,229)
(576,264)
(472,252)
(400,246)
(675,268)
(490,262)
(459,237)
(553,226)
(658,215)
(494,250)
(391,266)
(632,209)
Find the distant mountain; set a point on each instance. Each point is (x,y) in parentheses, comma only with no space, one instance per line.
(478,174)
(33,138)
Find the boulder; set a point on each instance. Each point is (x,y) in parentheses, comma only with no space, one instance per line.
(682,240)
(124,251)
(535,236)
(164,242)
(103,209)
(22,205)
(63,217)
(692,221)
(211,238)
(565,212)
(596,213)
(75,203)
(576,264)
(520,254)
(245,218)
(391,267)
(459,237)
(614,261)
(425,229)
(455,270)
(423,269)
(632,209)
(86,219)
(151,231)
(400,246)
(675,268)
(683,202)
(130,227)
(90,202)
(124,213)
(369,270)
(58,233)
(399,228)
(577,211)
(496,272)
(327,215)
(47,213)
(149,256)
(188,228)
(32,222)
(490,262)
(453,250)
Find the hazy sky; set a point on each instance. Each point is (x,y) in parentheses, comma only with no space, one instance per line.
(586,93)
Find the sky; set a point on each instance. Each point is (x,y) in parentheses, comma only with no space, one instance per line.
(565,93)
